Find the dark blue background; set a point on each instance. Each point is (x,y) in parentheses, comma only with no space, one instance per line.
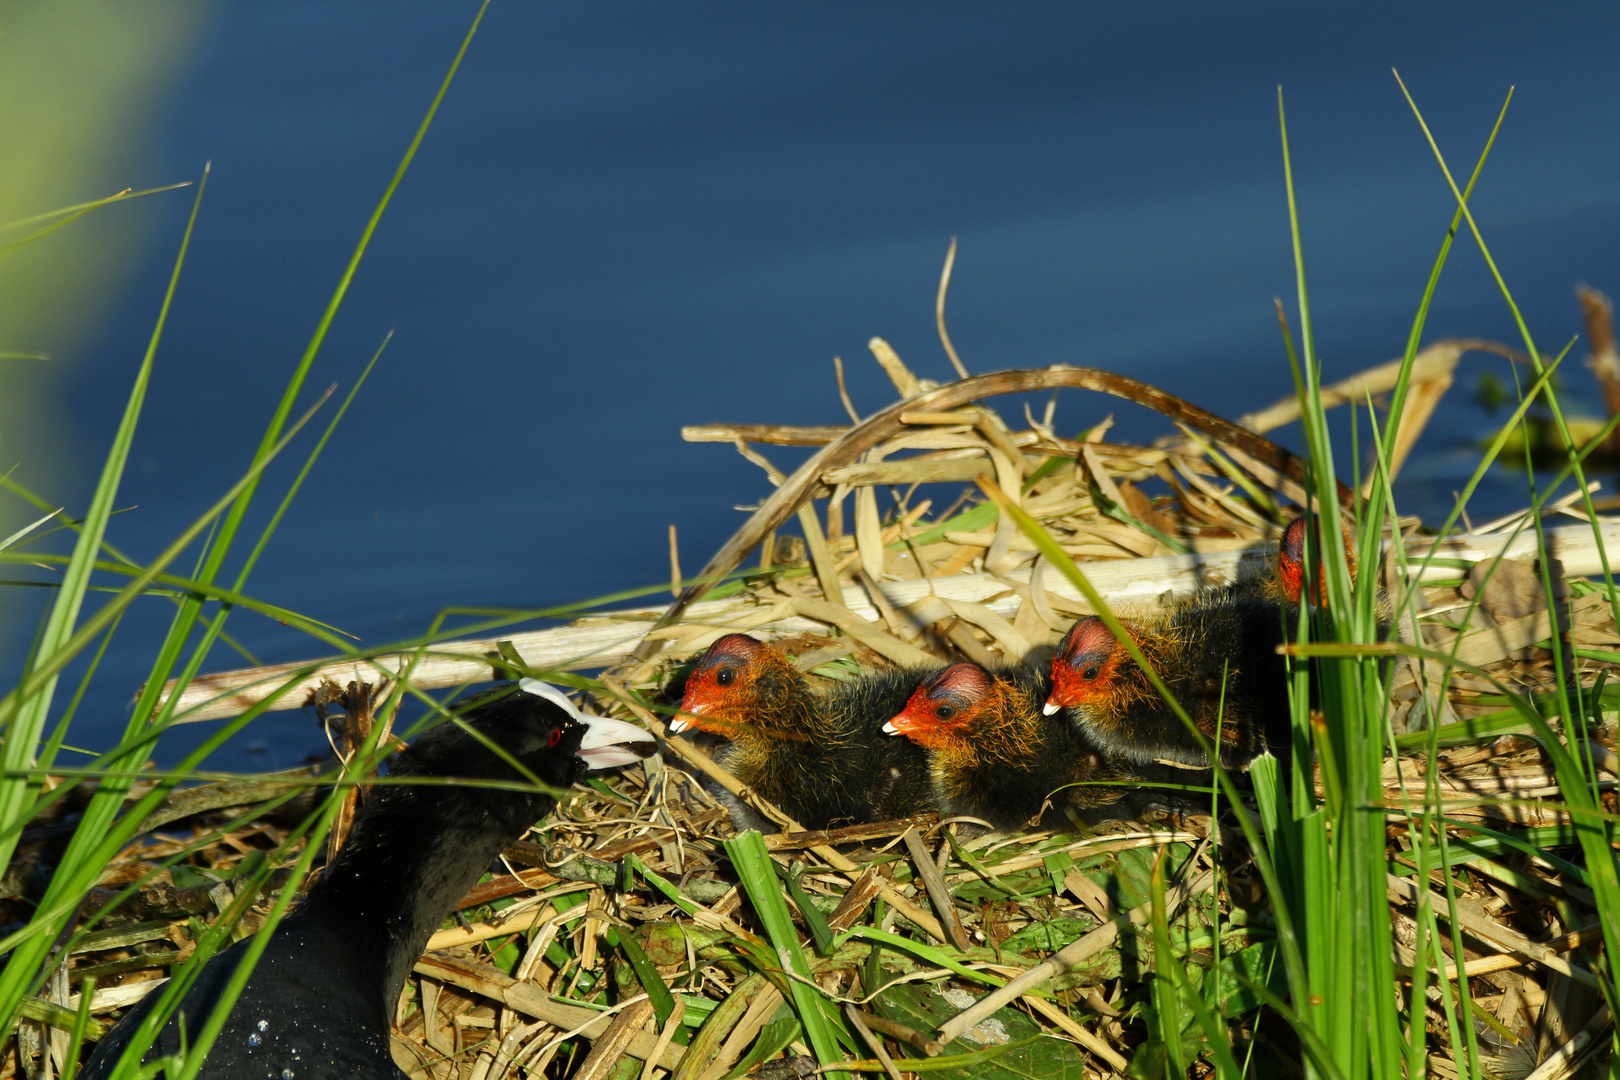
(631,216)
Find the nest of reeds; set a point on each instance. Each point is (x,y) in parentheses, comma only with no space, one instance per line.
(635,933)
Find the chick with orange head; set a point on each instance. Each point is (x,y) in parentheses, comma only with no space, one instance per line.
(1216,655)
(995,756)
(821,757)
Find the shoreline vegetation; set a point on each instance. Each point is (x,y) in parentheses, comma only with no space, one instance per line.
(1427,886)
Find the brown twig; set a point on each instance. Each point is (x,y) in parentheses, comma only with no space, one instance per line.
(939,311)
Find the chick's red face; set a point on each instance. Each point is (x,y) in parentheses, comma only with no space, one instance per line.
(1291,563)
(1291,559)
(720,690)
(1084,667)
(944,706)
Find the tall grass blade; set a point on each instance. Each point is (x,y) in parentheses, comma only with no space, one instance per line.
(1594,832)
(80,864)
(24,721)
(68,215)
(754,869)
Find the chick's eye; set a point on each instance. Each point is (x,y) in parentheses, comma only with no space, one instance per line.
(1091,672)
(725,676)
(556,736)
(945,712)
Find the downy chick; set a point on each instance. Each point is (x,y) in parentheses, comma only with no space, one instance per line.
(1292,573)
(1218,658)
(1217,654)
(821,757)
(994,755)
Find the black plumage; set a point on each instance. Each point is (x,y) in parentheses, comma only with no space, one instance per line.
(317,1004)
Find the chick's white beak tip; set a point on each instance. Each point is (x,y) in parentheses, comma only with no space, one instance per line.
(678,725)
(1049,708)
(889,728)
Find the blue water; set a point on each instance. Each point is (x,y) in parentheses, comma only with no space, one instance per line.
(630,217)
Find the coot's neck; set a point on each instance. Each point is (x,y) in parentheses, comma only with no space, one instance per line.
(414,851)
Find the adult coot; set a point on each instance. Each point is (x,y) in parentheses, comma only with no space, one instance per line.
(318,1003)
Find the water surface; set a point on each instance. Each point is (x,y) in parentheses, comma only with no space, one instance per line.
(629,217)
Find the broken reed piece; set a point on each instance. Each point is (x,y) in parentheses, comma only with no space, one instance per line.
(939,310)
(494,984)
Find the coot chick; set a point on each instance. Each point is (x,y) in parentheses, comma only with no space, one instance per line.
(1216,654)
(995,755)
(821,757)
(318,1003)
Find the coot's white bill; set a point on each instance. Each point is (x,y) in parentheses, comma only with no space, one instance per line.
(607,743)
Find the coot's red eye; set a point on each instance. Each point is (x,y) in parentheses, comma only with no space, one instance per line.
(556,736)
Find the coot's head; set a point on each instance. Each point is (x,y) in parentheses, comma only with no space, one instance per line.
(1085,665)
(532,723)
(945,706)
(725,689)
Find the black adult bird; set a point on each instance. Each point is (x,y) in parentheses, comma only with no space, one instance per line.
(317,1005)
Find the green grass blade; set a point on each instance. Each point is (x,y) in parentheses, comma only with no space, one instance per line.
(24,720)
(1594,835)
(46,670)
(68,215)
(95,826)
(200,653)
(210,569)
(26,529)
(663,1002)
(754,869)
(23,223)
(820,932)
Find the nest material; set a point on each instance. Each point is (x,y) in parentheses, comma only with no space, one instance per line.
(887,572)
